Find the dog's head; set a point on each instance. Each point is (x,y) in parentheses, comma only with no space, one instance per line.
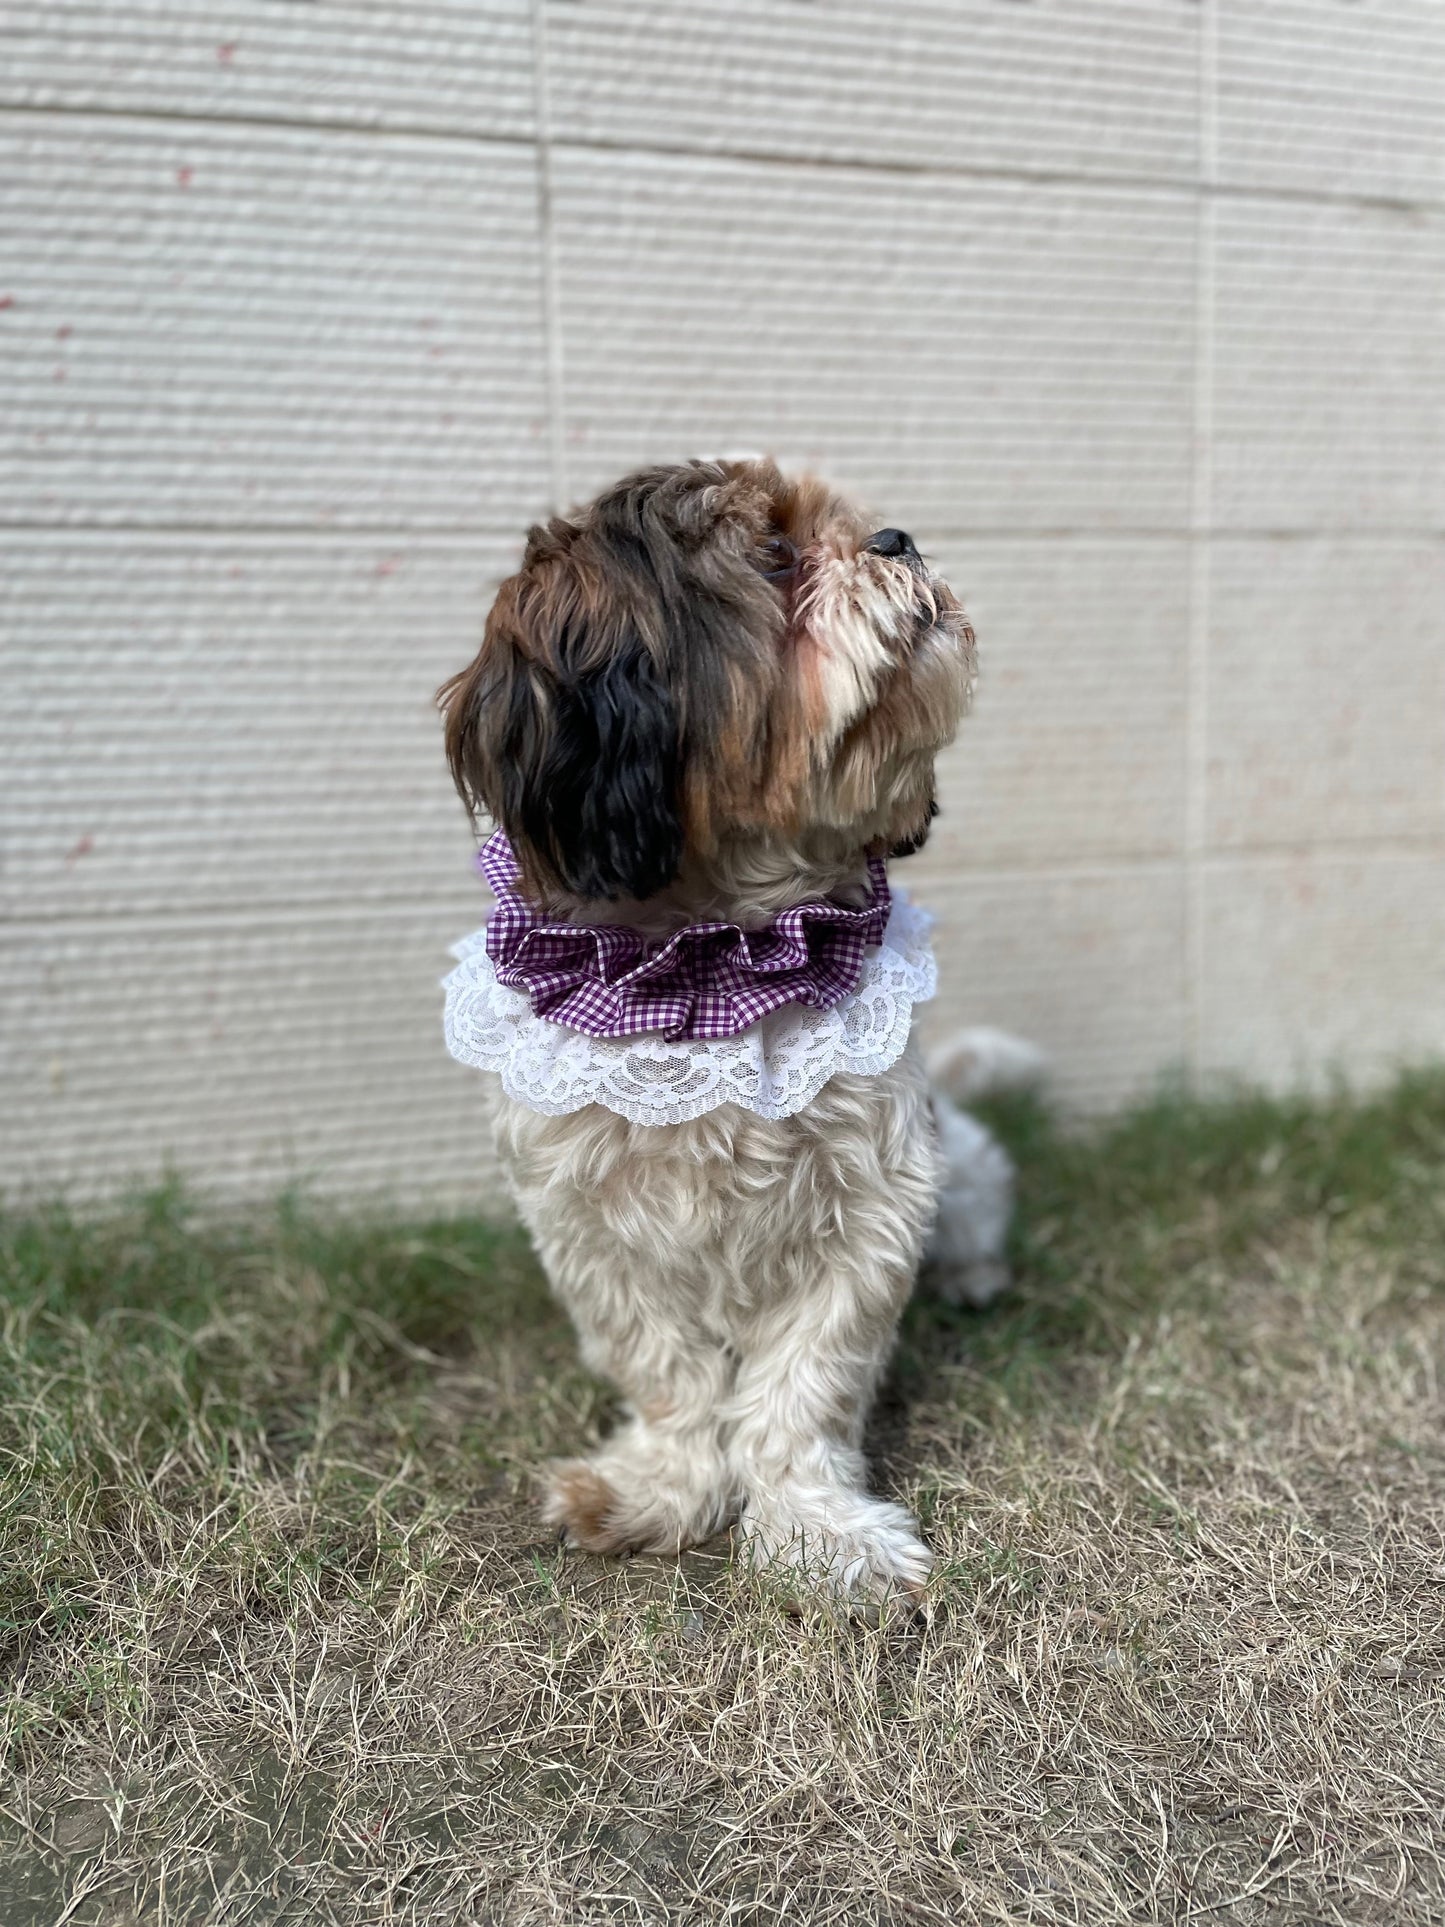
(708,652)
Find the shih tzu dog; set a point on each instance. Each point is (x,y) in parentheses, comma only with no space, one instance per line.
(704,713)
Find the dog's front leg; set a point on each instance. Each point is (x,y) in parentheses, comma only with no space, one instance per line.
(811,1362)
(661,1482)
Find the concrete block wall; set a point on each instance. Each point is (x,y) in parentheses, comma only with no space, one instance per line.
(1130,309)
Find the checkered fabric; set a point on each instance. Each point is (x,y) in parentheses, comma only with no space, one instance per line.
(709,980)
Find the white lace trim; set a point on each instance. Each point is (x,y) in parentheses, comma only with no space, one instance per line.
(774,1068)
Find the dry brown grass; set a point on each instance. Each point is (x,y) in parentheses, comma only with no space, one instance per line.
(284,1643)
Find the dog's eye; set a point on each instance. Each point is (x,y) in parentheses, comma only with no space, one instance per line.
(777,557)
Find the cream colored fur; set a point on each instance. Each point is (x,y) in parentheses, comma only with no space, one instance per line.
(739,1279)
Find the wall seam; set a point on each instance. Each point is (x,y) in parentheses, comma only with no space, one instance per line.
(551,291)
(1402,204)
(1201,508)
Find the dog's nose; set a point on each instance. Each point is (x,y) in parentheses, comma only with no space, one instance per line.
(891,542)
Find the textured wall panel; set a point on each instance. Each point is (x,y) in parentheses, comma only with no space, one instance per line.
(1333,94)
(1326,697)
(977,354)
(1317,964)
(1329,408)
(463,65)
(1089,965)
(1057,86)
(1075,747)
(205,324)
(210,722)
(249,1051)
(274,393)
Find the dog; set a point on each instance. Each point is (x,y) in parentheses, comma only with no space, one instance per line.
(704,712)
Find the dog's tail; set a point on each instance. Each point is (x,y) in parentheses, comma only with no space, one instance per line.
(979,1062)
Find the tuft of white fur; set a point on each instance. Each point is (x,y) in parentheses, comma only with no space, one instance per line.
(857,614)
(967,1257)
(966,1261)
(978,1062)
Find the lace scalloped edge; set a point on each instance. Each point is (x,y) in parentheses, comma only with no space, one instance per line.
(774,1068)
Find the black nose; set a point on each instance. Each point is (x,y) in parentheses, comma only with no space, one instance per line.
(891,542)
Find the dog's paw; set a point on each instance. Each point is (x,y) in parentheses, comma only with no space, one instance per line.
(639,1495)
(584,1508)
(859,1549)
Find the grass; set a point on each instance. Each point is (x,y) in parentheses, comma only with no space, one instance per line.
(282,1640)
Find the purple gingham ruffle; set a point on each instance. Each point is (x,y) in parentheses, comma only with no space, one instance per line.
(710,980)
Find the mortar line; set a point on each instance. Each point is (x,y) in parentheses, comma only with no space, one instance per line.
(551,290)
(1201,508)
(877,165)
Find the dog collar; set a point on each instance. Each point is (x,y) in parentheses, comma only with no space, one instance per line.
(707,981)
(774,1067)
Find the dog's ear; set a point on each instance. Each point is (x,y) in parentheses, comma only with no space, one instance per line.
(589,772)
(566,732)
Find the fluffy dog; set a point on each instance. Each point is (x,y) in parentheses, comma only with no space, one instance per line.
(711,696)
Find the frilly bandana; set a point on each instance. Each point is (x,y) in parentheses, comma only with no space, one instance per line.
(711,980)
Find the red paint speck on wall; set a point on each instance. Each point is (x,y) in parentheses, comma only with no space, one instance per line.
(184,176)
(81,847)
(226,52)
